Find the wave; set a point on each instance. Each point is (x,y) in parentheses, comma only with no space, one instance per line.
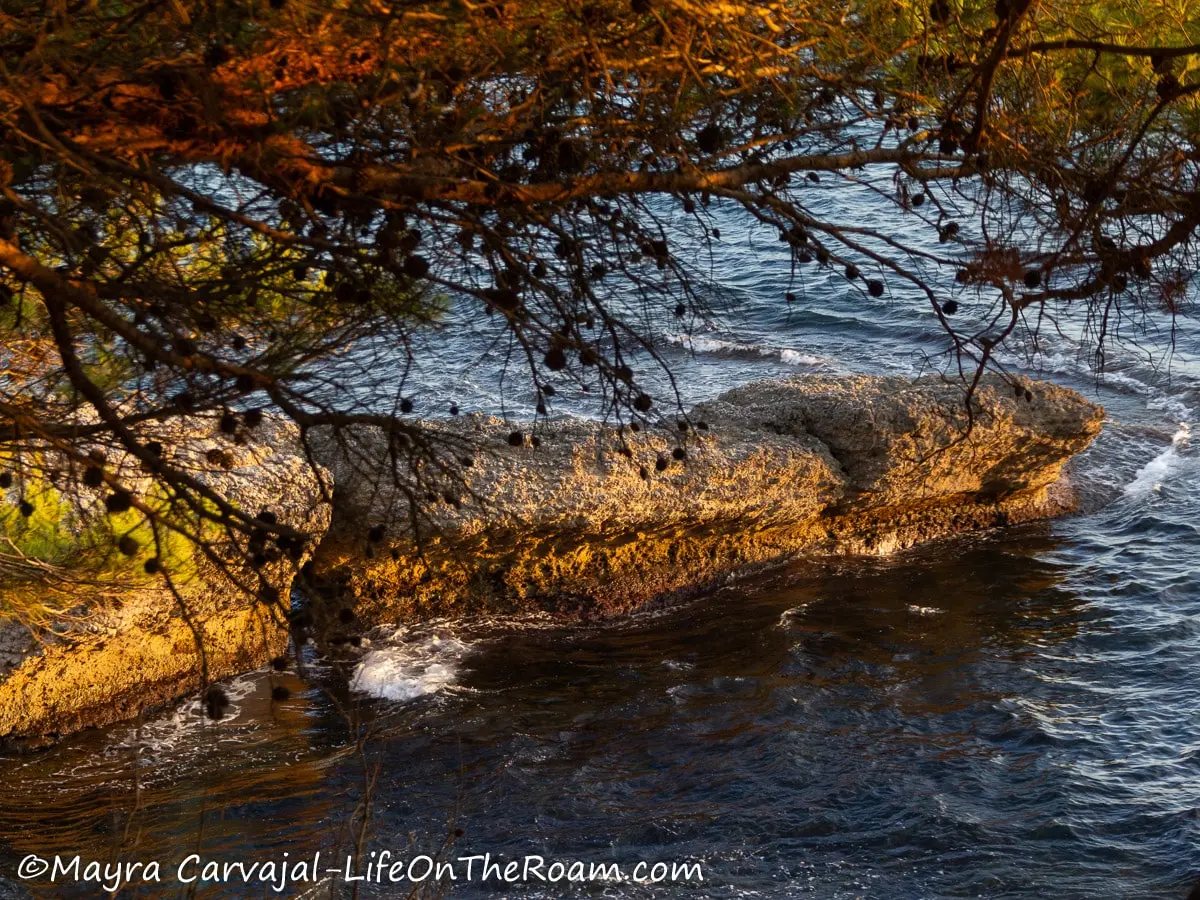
(1150,477)
(701,344)
(1119,377)
(177,730)
(410,664)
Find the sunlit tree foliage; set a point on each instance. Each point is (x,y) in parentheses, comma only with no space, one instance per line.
(209,208)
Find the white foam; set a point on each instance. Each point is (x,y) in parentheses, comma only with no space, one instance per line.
(177,729)
(790,615)
(796,358)
(410,665)
(700,344)
(1150,477)
(676,665)
(918,610)
(1172,406)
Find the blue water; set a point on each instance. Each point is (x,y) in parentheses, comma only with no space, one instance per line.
(1014,715)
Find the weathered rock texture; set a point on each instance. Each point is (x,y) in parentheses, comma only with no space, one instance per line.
(128,644)
(849,464)
(571,526)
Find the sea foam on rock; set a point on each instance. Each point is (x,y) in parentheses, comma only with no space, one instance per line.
(843,464)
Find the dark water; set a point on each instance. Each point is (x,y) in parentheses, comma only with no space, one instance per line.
(1008,715)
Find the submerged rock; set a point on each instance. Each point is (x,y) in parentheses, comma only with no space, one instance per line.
(841,464)
(126,643)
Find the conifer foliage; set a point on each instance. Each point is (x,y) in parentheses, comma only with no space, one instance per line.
(204,207)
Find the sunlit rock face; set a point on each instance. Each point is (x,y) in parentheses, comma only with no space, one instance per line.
(573,526)
(583,524)
(129,644)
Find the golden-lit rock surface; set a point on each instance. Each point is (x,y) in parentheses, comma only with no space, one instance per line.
(573,526)
(129,644)
(842,464)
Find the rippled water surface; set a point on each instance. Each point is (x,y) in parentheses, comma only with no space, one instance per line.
(1009,715)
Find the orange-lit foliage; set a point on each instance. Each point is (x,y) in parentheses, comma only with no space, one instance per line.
(211,200)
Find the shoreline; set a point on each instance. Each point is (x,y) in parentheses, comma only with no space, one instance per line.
(845,465)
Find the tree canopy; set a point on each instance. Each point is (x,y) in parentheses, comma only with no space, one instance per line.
(204,204)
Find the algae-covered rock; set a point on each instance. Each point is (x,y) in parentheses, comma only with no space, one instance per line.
(579,524)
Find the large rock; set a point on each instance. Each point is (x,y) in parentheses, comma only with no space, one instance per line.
(848,464)
(127,643)
(571,526)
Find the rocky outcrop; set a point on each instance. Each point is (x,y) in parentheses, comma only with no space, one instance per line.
(584,523)
(127,643)
(587,522)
